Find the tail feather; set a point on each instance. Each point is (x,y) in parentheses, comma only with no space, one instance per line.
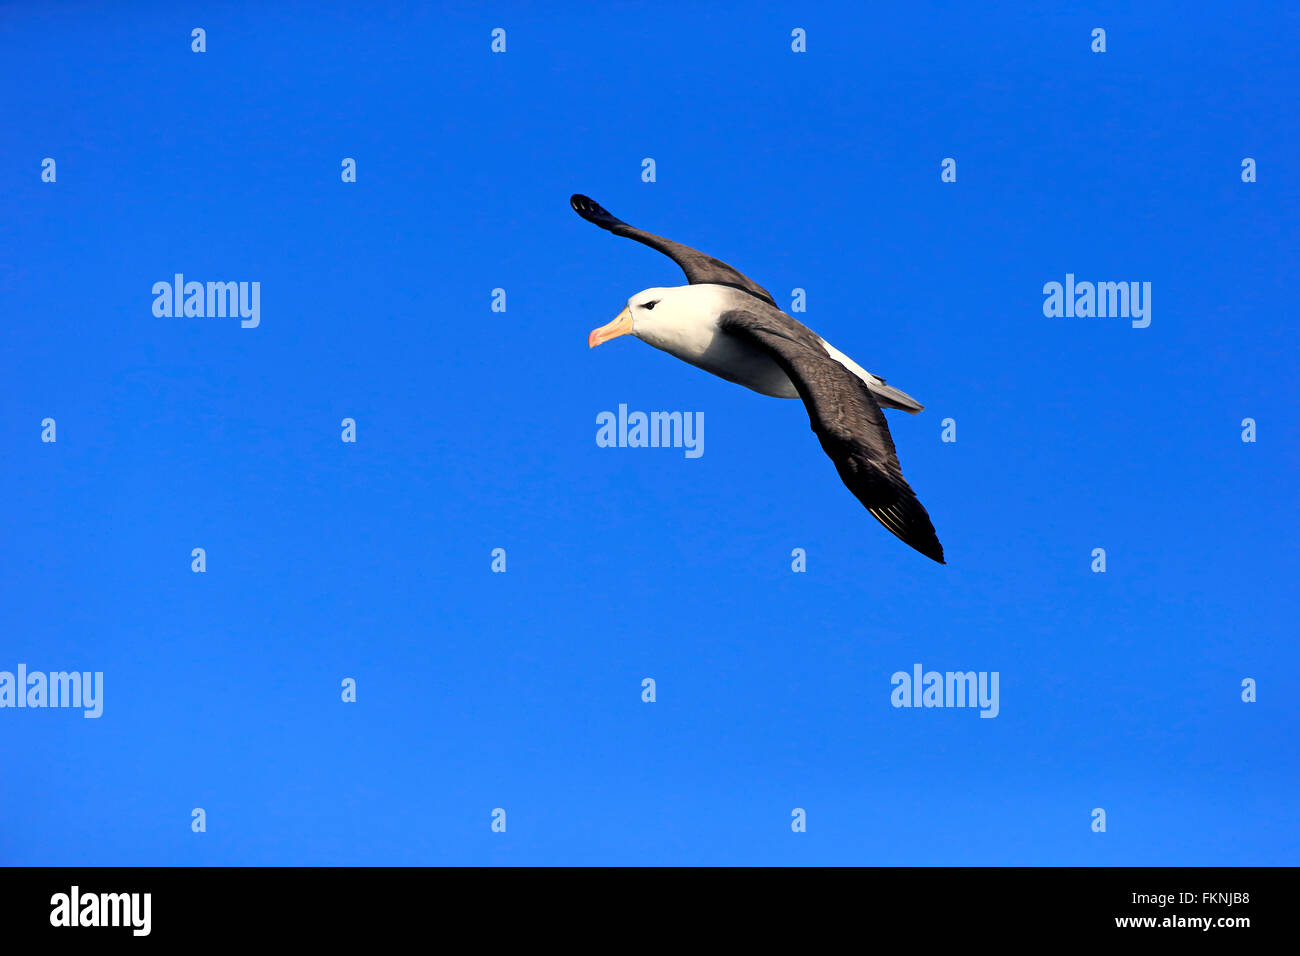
(889,397)
(886,395)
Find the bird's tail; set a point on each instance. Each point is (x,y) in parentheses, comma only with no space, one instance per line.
(889,397)
(886,395)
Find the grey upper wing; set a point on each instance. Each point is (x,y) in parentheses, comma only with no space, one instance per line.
(698,267)
(847,421)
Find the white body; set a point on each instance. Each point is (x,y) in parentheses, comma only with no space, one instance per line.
(683,322)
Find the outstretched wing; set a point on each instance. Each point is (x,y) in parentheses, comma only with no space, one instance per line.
(849,424)
(698,267)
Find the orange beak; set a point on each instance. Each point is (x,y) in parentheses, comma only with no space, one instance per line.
(620,326)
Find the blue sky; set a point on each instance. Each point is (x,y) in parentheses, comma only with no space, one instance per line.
(476,430)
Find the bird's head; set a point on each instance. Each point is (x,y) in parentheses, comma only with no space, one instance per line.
(653,312)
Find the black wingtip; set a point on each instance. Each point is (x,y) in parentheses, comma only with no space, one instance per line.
(584,206)
(931,549)
(594,212)
(906,519)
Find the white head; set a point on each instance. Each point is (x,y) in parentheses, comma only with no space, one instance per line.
(666,314)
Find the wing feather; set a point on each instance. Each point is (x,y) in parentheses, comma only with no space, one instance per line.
(849,424)
(699,268)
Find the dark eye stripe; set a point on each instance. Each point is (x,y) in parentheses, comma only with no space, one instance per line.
(651,305)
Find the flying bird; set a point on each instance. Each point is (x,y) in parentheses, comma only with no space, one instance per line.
(727,324)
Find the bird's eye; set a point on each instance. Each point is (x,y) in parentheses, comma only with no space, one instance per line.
(651,305)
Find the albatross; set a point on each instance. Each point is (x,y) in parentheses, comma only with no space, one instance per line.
(727,324)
